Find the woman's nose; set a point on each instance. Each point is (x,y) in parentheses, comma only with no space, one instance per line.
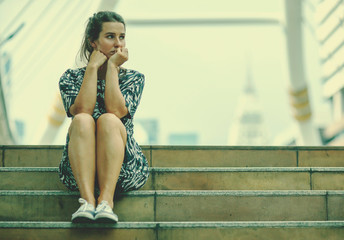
(117,42)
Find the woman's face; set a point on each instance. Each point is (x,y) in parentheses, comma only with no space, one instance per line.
(110,38)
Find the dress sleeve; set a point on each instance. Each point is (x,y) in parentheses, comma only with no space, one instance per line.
(69,89)
(132,94)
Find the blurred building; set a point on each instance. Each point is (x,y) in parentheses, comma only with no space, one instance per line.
(20,130)
(248,127)
(330,33)
(147,131)
(325,18)
(183,139)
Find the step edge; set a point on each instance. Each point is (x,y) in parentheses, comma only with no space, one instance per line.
(169,225)
(259,148)
(247,169)
(197,169)
(29,169)
(193,147)
(174,193)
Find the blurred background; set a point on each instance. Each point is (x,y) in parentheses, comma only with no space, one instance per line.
(247,72)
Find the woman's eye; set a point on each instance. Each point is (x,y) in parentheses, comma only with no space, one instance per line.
(112,37)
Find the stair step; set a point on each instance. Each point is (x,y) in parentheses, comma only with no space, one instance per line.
(148,206)
(193,156)
(250,178)
(194,192)
(243,156)
(298,230)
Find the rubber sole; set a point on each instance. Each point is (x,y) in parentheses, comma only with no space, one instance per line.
(106,218)
(83,218)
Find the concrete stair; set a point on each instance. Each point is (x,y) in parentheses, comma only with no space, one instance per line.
(202,178)
(193,193)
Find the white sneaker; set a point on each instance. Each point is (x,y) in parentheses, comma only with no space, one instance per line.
(85,213)
(104,213)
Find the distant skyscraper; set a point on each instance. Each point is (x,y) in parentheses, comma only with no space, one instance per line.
(248,127)
(146,131)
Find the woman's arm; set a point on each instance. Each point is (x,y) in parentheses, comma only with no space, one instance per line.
(87,96)
(114,100)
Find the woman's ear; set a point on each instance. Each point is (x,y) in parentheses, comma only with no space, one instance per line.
(93,44)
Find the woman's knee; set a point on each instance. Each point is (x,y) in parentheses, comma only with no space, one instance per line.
(108,122)
(82,123)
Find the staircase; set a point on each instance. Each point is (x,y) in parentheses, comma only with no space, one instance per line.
(192,193)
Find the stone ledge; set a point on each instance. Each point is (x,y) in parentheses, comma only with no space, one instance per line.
(185,193)
(195,147)
(197,169)
(168,225)
(29,169)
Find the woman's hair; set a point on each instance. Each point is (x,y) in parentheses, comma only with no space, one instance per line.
(93,29)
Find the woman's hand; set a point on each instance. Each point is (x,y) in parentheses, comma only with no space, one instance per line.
(97,59)
(120,57)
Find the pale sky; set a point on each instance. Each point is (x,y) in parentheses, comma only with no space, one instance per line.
(194,74)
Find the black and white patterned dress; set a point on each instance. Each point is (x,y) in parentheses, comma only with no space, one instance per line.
(134,172)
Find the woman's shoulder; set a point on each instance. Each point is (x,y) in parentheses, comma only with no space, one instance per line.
(131,73)
(73,73)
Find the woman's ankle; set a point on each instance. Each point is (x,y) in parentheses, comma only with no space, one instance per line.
(108,199)
(90,200)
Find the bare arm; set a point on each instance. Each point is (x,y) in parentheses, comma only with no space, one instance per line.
(114,100)
(86,99)
(87,96)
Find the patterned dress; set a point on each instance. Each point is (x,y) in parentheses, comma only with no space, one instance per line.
(134,172)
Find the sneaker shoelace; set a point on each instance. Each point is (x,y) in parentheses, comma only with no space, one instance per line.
(84,205)
(104,206)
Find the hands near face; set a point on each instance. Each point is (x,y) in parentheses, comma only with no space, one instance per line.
(120,57)
(97,58)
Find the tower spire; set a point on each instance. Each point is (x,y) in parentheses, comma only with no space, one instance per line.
(248,127)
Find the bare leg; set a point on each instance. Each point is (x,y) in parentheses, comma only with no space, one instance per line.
(111,140)
(81,152)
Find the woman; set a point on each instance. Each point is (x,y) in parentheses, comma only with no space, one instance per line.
(100,151)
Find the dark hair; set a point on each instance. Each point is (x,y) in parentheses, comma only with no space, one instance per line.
(93,29)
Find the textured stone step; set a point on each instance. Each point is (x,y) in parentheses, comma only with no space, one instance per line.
(299,230)
(252,178)
(236,156)
(182,205)
(193,156)
(152,213)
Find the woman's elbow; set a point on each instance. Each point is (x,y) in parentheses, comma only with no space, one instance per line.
(74,110)
(119,112)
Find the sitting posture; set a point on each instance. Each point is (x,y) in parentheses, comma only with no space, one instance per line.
(101,155)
